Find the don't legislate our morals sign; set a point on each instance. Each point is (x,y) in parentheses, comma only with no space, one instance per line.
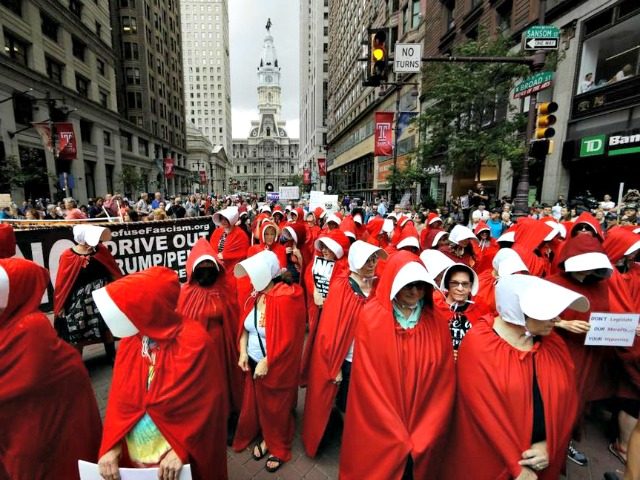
(135,246)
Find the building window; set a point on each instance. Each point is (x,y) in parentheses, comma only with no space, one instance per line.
(134,99)
(133,76)
(98,29)
(130,51)
(49,27)
(86,129)
(54,70)
(100,67)
(16,49)
(143,147)
(22,109)
(107,138)
(610,56)
(82,85)
(128,4)
(76,7)
(415,14)
(129,25)
(79,48)
(104,98)
(503,16)
(14,5)
(450,6)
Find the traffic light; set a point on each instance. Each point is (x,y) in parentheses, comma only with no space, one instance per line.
(378,56)
(544,120)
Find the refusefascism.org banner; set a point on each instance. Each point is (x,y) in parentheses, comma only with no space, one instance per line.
(135,246)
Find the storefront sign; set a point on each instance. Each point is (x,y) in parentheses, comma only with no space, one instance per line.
(612,329)
(613,145)
(135,246)
(592,146)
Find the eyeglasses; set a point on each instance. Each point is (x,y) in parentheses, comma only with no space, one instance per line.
(416,285)
(454,284)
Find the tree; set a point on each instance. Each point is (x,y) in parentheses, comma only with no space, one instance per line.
(131,181)
(28,172)
(468,120)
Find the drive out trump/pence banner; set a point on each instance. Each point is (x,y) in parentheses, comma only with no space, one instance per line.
(135,246)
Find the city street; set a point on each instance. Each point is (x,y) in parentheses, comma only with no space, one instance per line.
(325,465)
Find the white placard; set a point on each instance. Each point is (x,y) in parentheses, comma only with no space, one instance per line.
(331,203)
(289,193)
(90,471)
(612,329)
(408,58)
(316,199)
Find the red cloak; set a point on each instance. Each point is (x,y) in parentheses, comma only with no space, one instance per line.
(475,310)
(493,419)
(268,402)
(529,236)
(48,410)
(334,335)
(187,399)
(401,390)
(208,306)
(235,250)
(484,250)
(7,241)
(69,267)
(487,292)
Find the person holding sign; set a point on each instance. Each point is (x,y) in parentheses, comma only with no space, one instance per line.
(331,353)
(48,410)
(270,345)
(402,380)
(168,402)
(516,396)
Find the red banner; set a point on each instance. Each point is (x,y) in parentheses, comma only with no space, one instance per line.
(322,167)
(306,176)
(203,176)
(384,134)
(169,171)
(67,148)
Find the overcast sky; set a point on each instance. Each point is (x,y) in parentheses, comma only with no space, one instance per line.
(247,20)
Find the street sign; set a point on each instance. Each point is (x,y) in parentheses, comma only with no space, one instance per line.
(542,37)
(408,58)
(533,84)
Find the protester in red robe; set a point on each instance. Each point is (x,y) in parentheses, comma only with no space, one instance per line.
(408,240)
(505,262)
(313,228)
(436,263)
(516,392)
(332,350)
(460,249)
(485,249)
(168,401)
(270,343)
(402,382)
(530,244)
(376,235)
(83,268)
(48,413)
(203,299)
(434,223)
(7,241)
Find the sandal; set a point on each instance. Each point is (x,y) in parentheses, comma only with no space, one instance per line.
(261,453)
(617,452)
(276,460)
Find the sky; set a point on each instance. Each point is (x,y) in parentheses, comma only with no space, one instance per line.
(247,20)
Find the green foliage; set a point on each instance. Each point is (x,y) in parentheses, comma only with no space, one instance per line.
(131,181)
(16,173)
(404,178)
(468,120)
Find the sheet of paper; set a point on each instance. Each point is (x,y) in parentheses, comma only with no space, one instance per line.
(89,471)
(612,329)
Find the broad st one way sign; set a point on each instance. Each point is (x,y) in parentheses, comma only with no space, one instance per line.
(408,58)
(533,84)
(542,37)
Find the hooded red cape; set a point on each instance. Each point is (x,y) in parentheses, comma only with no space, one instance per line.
(487,292)
(484,252)
(529,235)
(69,267)
(187,399)
(7,241)
(376,236)
(268,402)
(334,335)
(235,250)
(401,389)
(48,410)
(208,306)
(493,419)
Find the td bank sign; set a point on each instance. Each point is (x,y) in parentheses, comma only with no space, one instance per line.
(613,145)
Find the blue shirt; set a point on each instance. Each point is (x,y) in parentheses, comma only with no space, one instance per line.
(496,227)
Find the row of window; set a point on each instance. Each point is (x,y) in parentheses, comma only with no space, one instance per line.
(267,172)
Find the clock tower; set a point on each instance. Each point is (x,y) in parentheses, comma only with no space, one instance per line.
(269,78)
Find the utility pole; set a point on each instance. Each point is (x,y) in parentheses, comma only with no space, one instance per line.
(396,133)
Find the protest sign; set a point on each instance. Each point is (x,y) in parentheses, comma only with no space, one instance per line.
(316,199)
(135,246)
(322,270)
(289,193)
(331,203)
(612,329)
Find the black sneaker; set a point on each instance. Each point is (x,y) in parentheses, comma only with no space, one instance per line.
(576,456)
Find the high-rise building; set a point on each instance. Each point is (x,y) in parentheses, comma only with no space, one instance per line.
(207,91)
(314,68)
(267,159)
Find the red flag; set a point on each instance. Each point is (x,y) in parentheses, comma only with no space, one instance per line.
(384,134)
(203,176)
(306,176)
(66,144)
(169,171)
(322,167)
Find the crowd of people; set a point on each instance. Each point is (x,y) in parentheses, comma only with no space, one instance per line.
(425,333)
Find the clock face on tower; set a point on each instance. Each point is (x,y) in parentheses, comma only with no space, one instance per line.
(268,79)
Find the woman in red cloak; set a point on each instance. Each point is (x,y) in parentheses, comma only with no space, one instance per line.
(402,380)
(203,299)
(7,241)
(168,401)
(530,244)
(299,255)
(485,249)
(375,234)
(48,410)
(460,245)
(83,268)
(332,351)
(331,246)
(516,391)
(270,344)
(433,224)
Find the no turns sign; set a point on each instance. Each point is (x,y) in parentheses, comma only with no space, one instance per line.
(408,58)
